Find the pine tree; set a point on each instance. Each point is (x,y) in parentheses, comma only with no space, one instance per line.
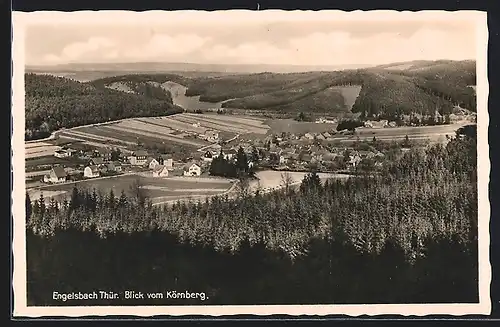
(28,207)
(255,155)
(122,202)
(241,162)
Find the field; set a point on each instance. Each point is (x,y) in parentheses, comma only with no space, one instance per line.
(50,160)
(179,129)
(158,189)
(350,94)
(271,179)
(39,149)
(432,133)
(295,127)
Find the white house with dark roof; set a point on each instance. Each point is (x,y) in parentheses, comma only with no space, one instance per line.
(57,175)
(192,170)
(160,171)
(152,163)
(209,155)
(138,158)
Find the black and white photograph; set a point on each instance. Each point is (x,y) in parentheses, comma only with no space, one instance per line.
(250,162)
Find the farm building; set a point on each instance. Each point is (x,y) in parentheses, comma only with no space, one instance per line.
(56,175)
(192,170)
(138,158)
(91,171)
(160,171)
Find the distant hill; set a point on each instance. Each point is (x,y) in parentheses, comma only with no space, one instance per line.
(158,67)
(56,102)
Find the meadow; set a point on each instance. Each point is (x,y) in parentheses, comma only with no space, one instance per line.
(167,187)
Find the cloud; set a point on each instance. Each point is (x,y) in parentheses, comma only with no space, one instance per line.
(340,48)
(318,48)
(162,46)
(102,49)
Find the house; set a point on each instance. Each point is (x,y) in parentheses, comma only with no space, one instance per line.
(282,160)
(114,166)
(166,160)
(211,136)
(309,136)
(326,135)
(138,158)
(96,161)
(57,175)
(152,163)
(306,157)
(368,124)
(354,160)
(105,154)
(323,120)
(64,153)
(229,154)
(160,171)
(192,170)
(208,156)
(91,171)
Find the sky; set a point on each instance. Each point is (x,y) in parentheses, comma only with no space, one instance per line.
(324,42)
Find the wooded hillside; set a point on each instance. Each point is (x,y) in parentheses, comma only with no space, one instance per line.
(53,102)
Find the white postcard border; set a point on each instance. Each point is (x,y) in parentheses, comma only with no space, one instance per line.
(21,20)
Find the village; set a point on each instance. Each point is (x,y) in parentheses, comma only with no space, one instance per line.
(294,152)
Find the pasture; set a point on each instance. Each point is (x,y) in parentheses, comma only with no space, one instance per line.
(154,188)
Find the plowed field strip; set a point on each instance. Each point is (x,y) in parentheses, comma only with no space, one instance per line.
(219,127)
(156,136)
(174,124)
(232,120)
(138,125)
(235,125)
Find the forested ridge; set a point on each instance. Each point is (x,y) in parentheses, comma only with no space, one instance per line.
(385,93)
(52,103)
(406,235)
